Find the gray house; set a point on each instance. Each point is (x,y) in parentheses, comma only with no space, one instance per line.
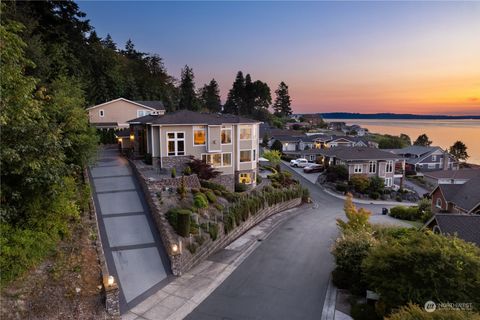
(420,158)
(227,142)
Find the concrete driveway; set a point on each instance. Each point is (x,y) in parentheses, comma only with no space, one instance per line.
(287,276)
(133,248)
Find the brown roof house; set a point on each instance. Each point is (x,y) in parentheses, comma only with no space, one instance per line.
(228,142)
(450,176)
(114,114)
(464,226)
(457,198)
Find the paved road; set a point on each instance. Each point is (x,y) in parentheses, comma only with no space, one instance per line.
(287,276)
(131,242)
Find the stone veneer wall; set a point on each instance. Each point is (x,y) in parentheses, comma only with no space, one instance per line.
(178,162)
(181,263)
(226,180)
(112,301)
(191,181)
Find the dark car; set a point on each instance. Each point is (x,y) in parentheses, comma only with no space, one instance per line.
(313,168)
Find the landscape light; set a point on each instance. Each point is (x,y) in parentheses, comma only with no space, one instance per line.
(132,136)
(120,140)
(110,280)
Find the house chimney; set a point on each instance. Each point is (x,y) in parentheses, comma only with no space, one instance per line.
(446,157)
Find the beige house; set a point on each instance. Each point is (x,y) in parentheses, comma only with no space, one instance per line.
(115,114)
(228,142)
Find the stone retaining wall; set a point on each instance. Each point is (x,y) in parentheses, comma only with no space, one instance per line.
(180,263)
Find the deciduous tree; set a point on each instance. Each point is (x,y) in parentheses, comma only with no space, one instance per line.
(459,151)
(423,140)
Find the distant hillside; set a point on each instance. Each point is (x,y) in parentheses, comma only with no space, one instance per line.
(348,115)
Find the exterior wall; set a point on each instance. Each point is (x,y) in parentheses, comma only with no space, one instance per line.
(118,111)
(437,194)
(289,146)
(379,172)
(227,180)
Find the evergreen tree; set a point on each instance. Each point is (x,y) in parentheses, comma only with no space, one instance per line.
(188,98)
(235,99)
(108,42)
(422,140)
(282,102)
(210,96)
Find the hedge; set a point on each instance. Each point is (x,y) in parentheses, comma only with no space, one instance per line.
(179,219)
(211,196)
(405,213)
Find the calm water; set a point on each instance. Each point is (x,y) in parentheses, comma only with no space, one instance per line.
(443,133)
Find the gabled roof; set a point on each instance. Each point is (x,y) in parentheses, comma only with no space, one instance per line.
(465,196)
(359,153)
(151,105)
(453,174)
(283,138)
(186,117)
(465,226)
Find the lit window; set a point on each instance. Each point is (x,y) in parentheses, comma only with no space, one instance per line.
(389,167)
(245,156)
(101,113)
(245,178)
(372,167)
(218,159)
(245,132)
(199,136)
(357,168)
(176,143)
(226,136)
(227,159)
(438,203)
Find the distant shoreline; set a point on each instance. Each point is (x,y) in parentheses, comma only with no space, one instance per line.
(396,116)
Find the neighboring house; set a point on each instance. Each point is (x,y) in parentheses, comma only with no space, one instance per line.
(450,176)
(464,226)
(313,119)
(420,159)
(336,126)
(457,198)
(115,114)
(359,161)
(229,143)
(319,141)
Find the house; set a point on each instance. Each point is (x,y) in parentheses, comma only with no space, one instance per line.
(359,161)
(450,176)
(228,142)
(356,129)
(319,141)
(336,126)
(421,159)
(115,114)
(313,119)
(457,198)
(464,226)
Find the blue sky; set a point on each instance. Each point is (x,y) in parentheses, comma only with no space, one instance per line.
(335,56)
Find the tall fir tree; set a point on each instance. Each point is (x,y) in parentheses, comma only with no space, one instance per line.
(235,98)
(210,97)
(188,98)
(282,102)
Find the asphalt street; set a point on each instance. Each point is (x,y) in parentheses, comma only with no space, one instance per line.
(287,276)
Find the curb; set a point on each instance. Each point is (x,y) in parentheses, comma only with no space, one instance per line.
(360,201)
(328,312)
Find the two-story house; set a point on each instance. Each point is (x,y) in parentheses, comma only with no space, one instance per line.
(420,158)
(114,114)
(457,198)
(227,142)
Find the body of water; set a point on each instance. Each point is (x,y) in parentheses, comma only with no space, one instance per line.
(443,133)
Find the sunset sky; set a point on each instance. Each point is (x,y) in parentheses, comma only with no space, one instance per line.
(402,57)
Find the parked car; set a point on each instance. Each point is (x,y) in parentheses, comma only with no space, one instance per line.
(313,168)
(299,163)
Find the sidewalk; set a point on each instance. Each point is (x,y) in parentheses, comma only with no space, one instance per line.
(362,201)
(181,296)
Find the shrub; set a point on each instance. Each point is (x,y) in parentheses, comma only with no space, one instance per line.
(273,156)
(240,187)
(212,185)
(218,206)
(192,247)
(217,192)
(277,145)
(338,172)
(229,222)
(425,209)
(363,311)
(342,187)
(174,173)
(405,213)
(182,190)
(211,196)
(213,231)
(202,169)
(360,182)
(349,251)
(414,312)
(187,171)
(259,179)
(199,239)
(398,198)
(374,195)
(183,222)
(195,190)
(357,218)
(200,201)
(376,184)
(423,266)
(148,158)
(305,195)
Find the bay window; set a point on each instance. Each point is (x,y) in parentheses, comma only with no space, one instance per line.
(245,132)
(218,160)
(245,155)
(245,178)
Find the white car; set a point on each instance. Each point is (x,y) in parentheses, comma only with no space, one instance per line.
(299,163)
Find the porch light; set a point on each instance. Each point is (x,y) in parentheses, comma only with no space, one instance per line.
(120,140)
(132,137)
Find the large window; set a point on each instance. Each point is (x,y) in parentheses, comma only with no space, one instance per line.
(245,155)
(218,159)
(199,136)
(372,167)
(176,143)
(389,167)
(358,168)
(245,178)
(245,132)
(226,135)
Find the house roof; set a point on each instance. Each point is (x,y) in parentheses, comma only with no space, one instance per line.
(105,124)
(453,174)
(421,152)
(152,105)
(191,117)
(465,196)
(465,226)
(123,133)
(359,153)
